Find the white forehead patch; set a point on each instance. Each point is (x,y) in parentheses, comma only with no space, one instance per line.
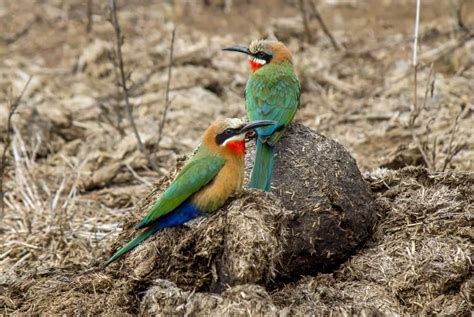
(234,123)
(255,46)
(260,45)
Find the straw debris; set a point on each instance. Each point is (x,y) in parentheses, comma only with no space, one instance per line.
(165,298)
(416,262)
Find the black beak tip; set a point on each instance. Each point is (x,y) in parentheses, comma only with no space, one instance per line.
(265,122)
(257,124)
(239,49)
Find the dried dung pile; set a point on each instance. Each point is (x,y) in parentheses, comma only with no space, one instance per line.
(333,211)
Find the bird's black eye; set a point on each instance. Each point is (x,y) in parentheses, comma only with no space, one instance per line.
(228,131)
(264,56)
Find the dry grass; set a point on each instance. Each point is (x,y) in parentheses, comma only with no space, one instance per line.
(73,178)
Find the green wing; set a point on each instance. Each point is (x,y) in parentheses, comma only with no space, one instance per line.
(196,174)
(272,99)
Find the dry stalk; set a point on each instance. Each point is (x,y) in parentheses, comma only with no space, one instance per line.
(415,54)
(423,147)
(453,151)
(167,94)
(116,99)
(123,79)
(90,4)
(106,114)
(22,32)
(12,107)
(307,30)
(415,112)
(459,19)
(326,31)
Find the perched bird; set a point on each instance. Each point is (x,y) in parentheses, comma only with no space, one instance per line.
(215,172)
(272,92)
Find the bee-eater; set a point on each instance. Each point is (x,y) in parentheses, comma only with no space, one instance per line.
(273,93)
(215,172)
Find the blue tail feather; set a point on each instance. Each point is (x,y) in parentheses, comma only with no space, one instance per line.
(263,166)
(185,212)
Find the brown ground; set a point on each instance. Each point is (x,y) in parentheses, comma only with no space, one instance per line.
(73,178)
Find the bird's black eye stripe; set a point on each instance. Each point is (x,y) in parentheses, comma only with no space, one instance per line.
(262,55)
(227,133)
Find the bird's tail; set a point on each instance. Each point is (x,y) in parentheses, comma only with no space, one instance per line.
(263,166)
(185,212)
(135,242)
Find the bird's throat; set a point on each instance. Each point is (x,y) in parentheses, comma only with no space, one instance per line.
(237,147)
(254,65)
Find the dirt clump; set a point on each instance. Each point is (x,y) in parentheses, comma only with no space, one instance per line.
(332,206)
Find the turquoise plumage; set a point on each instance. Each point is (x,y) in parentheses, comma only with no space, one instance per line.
(272,93)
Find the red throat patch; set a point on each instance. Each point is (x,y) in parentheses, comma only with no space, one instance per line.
(237,147)
(254,65)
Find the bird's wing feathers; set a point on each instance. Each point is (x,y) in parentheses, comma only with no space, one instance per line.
(278,101)
(196,174)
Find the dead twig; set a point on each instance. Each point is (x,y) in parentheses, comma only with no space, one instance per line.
(429,87)
(326,31)
(105,113)
(304,16)
(116,98)
(90,4)
(12,107)
(415,112)
(459,18)
(453,151)
(167,94)
(415,54)
(22,32)
(123,79)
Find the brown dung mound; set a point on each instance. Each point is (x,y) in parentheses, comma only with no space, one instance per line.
(332,206)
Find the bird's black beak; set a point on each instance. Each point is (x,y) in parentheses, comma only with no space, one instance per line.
(256,124)
(240,49)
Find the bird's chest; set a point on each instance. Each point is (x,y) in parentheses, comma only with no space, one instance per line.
(227,182)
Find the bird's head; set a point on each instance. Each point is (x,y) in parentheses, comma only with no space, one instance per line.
(264,52)
(227,136)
